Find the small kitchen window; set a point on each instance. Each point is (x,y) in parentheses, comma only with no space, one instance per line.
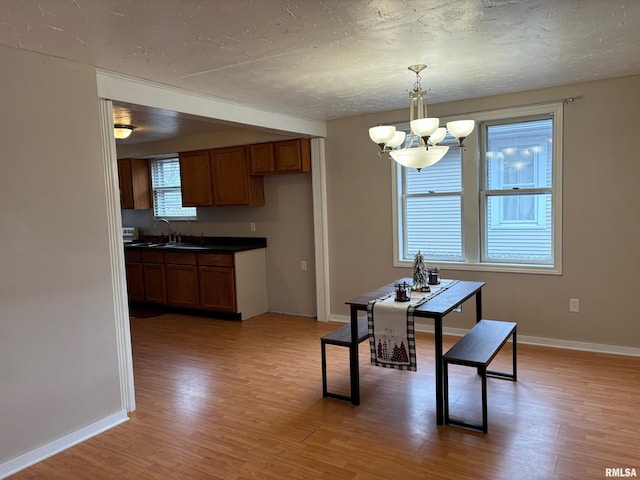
(167,195)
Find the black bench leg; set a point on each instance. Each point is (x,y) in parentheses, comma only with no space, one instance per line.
(445,386)
(324,369)
(483,373)
(515,365)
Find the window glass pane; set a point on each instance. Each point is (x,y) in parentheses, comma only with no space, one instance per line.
(167,196)
(444,176)
(434,226)
(519,155)
(529,239)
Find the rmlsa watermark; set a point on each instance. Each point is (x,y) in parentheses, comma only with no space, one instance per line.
(620,472)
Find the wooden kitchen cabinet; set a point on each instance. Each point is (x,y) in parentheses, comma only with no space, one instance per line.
(135,277)
(287,156)
(181,274)
(155,290)
(195,179)
(263,158)
(217,282)
(219,177)
(230,178)
(293,156)
(135,183)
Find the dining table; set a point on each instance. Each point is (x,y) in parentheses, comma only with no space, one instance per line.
(436,308)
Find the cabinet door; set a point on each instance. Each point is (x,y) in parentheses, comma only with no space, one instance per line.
(135,183)
(182,285)
(195,179)
(293,156)
(217,289)
(126,187)
(154,283)
(232,184)
(135,282)
(263,161)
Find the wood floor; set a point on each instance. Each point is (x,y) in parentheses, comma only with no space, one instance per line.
(219,399)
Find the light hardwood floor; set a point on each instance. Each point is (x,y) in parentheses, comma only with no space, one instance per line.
(243,400)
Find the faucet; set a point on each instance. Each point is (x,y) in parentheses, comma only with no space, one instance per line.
(168,227)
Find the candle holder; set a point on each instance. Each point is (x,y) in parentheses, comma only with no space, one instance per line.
(403,292)
(434,276)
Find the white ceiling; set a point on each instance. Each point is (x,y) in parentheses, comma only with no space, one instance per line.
(326,59)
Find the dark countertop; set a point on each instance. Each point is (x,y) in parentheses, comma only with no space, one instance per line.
(204,245)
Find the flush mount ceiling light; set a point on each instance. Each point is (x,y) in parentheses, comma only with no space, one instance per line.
(121,131)
(427,132)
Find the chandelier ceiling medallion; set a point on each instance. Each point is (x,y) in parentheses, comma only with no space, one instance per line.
(427,131)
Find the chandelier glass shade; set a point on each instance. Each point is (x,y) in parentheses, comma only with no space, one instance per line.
(425,132)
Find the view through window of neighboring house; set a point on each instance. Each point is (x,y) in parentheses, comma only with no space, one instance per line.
(167,197)
(494,204)
(517,194)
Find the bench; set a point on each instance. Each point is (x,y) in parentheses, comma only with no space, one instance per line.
(477,349)
(342,338)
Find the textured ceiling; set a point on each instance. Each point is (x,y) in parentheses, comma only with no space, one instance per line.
(328,59)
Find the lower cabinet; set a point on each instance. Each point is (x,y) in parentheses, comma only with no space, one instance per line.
(217,289)
(219,282)
(135,276)
(155,289)
(181,275)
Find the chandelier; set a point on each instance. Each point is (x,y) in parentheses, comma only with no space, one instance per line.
(428,132)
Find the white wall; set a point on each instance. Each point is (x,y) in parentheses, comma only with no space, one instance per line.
(58,357)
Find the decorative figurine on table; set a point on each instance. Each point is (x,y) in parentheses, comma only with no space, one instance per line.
(434,276)
(403,292)
(420,273)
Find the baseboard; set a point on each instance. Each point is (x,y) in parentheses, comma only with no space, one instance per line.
(528,340)
(34,456)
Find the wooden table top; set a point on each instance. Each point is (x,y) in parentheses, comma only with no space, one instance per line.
(441,304)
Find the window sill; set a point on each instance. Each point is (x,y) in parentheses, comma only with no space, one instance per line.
(488,267)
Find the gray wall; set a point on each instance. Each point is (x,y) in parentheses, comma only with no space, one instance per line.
(58,358)
(601,230)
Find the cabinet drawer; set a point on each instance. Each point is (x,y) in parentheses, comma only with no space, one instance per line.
(132,256)
(216,259)
(152,257)
(180,258)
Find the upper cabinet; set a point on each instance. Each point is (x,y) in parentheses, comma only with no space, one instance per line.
(219,177)
(195,178)
(135,183)
(287,156)
(231,180)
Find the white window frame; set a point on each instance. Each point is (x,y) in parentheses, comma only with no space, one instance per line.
(472,208)
(187,213)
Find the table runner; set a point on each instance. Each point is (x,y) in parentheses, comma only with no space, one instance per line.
(391,328)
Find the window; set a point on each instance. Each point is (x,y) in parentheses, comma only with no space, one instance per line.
(494,204)
(167,197)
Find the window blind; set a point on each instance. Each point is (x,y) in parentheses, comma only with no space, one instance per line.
(167,196)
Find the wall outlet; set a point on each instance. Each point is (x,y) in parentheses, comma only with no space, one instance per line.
(303,265)
(574,304)
(252,226)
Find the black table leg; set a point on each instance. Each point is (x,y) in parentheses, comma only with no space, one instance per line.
(354,369)
(439,370)
(478,306)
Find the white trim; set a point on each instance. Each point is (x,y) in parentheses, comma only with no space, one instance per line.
(321,239)
(115,86)
(37,455)
(527,340)
(116,251)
